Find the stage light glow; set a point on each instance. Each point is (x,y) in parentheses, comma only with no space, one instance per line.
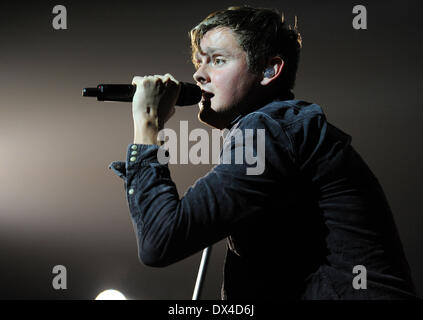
(110,294)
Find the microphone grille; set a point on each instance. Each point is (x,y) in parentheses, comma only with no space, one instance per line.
(190,94)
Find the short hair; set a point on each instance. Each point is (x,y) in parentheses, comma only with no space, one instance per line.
(261,33)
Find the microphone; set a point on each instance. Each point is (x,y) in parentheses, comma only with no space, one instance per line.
(190,93)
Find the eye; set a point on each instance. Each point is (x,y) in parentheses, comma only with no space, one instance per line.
(219,61)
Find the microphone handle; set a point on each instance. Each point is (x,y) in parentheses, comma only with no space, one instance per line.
(115,92)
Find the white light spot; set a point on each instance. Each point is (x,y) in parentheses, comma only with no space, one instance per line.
(110,295)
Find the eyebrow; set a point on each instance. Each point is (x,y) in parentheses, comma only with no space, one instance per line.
(210,50)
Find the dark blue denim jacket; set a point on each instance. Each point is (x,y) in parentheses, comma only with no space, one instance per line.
(295,231)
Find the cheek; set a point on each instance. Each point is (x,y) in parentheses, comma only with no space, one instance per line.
(228,83)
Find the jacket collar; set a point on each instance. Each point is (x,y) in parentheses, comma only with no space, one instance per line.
(288,95)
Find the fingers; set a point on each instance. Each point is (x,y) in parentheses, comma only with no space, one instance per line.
(168,77)
(148,80)
(155,96)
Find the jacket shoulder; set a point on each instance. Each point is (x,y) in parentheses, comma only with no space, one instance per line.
(291,111)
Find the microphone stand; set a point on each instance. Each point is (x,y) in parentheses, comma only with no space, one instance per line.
(201,273)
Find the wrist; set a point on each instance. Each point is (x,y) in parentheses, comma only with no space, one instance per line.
(146,131)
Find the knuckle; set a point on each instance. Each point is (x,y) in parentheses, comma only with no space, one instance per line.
(145,82)
(136,79)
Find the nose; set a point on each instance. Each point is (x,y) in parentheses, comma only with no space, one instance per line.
(201,75)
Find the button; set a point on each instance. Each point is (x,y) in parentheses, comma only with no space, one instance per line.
(131,191)
(132,159)
(134,147)
(134,153)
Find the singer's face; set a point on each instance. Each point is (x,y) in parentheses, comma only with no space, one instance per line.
(223,75)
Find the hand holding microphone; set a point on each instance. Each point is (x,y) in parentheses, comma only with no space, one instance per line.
(153,101)
(152,105)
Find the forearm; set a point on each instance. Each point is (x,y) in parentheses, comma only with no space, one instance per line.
(168,229)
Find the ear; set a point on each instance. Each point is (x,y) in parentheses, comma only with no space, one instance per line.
(276,64)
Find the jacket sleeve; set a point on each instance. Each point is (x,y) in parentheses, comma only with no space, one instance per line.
(168,228)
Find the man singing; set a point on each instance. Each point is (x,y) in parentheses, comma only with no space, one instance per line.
(297,230)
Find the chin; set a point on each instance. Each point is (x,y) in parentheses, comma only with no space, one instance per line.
(213,118)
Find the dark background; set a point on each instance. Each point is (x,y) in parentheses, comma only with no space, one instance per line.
(59,202)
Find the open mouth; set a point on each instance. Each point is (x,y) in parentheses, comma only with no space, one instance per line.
(205,102)
(206,95)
